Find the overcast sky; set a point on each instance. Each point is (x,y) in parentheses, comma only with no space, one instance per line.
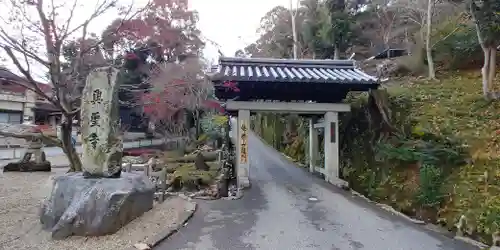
(232,23)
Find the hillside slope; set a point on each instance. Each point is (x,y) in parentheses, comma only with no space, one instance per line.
(455,105)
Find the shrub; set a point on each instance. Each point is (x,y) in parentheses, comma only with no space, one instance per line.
(405,168)
(431,180)
(460,50)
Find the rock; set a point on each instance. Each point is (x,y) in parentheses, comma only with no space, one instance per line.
(142,246)
(33,160)
(165,195)
(95,207)
(199,162)
(206,148)
(29,166)
(100,125)
(133,159)
(183,196)
(152,164)
(207,156)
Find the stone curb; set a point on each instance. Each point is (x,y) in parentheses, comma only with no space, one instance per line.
(238,196)
(389,209)
(189,210)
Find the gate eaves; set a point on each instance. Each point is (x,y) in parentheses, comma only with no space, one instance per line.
(326,81)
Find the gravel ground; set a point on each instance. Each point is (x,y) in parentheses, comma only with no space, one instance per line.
(21,195)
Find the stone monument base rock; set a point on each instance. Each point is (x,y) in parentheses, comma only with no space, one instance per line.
(95,207)
(27,166)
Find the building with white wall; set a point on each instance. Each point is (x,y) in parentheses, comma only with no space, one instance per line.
(18,104)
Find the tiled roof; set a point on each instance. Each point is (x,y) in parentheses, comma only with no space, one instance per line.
(46,88)
(285,70)
(7,77)
(46,106)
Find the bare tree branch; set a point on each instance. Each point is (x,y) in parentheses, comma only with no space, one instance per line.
(32,84)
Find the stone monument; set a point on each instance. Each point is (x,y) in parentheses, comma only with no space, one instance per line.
(100,200)
(100,125)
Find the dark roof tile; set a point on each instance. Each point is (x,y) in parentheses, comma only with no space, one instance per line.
(285,70)
(7,76)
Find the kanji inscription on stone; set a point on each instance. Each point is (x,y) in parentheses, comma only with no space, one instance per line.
(93,139)
(96,96)
(102,144)
(94,118)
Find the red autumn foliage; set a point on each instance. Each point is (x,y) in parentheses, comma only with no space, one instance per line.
(163,104)
(231,86)
(168,29)
(176,94)
(158,25)
(217,105)
(169,93)
(214,104)
(131,56)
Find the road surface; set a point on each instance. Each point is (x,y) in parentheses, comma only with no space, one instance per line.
(287,209)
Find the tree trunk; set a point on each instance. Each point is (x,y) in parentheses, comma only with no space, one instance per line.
(336,53)
(293,14)
(67,145)
(295,40)
(493,70)
(430,63)
(197,122)
(428,48)
(488,71)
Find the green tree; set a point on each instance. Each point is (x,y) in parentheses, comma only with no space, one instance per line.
(311,26)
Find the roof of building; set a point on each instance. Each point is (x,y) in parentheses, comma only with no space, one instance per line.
(389,53)
(46,106)
(287,70)
(8,75)
(7,78)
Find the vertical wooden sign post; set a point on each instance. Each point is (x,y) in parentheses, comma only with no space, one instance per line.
(244,144)
(243,163)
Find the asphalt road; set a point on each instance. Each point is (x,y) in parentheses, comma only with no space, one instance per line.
(288,209)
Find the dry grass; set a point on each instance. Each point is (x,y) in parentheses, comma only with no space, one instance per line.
(21,195)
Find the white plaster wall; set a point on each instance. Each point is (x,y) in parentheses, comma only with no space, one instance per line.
(11,105)
(24,103)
